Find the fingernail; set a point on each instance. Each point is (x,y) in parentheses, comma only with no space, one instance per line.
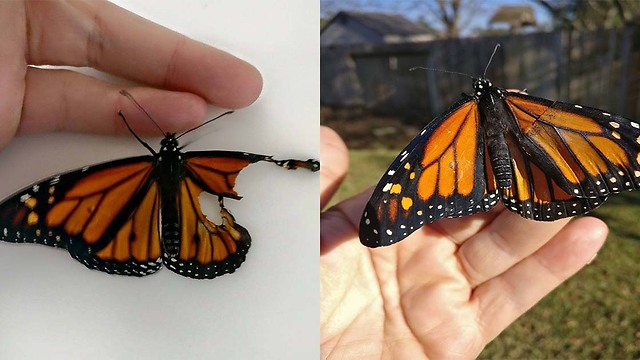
(592,258)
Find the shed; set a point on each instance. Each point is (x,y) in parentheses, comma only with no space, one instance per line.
(516,17)
(358,28)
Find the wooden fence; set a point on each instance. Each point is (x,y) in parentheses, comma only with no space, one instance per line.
(600,69)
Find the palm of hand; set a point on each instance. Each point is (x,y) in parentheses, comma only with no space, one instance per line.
(445,291)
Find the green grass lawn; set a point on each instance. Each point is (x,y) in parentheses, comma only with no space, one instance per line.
(596,314)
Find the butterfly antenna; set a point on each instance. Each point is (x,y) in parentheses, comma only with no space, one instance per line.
(128,95)
(204,123)
(440,70)
(134,134)
(491,58)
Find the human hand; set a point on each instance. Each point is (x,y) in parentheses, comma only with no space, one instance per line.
(108,38)
(445,291)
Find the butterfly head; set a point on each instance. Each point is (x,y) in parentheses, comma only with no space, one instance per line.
(481,86)
(169,143)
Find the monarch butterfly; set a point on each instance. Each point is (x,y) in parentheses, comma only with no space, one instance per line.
(545,160)
(108,215)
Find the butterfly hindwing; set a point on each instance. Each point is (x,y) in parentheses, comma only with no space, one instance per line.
(569,158)
(206,249)
(441,173)
(536,195)
(136,246)
(105,215)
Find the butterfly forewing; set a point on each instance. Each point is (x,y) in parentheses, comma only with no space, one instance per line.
(105,215)
(439,174)
(216,171)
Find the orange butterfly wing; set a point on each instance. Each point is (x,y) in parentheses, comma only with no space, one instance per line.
(206,249)
(105,215)
(108,215)
(441,173)
(547,160)
(569,157)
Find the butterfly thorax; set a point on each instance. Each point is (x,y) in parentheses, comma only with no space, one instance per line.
(498,129)
(170,161)
(170,165)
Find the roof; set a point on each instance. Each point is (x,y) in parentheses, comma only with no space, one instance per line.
(514,15)
(382,23)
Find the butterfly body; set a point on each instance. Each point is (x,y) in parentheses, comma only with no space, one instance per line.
(133,215)
(494,119)
(544,160)
(170,161)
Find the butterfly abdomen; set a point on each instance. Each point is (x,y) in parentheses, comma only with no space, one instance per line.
(170,164)
(493,115)
(499,158)
(170,230)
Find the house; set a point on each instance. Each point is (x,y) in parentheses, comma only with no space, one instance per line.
(350,31)
(359,28)
(516,17)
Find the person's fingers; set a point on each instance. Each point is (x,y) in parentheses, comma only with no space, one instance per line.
(460,229)
(334,157)
(12,71)
(104,36)
(67,100)
(503,299)
(340,222)
(508,239)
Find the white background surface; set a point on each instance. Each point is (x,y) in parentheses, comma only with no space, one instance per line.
(52,307)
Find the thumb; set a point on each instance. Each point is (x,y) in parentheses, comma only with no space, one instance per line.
(334,157)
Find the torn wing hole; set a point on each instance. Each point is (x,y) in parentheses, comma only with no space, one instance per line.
(210,207)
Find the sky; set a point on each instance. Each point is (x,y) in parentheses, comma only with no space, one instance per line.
(477,19)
